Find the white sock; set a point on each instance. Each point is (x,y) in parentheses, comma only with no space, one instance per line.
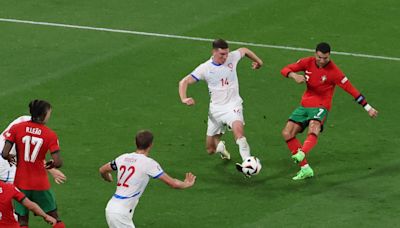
(220,147)
(244,148)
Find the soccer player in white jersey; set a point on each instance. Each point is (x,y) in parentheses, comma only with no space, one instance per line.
(7,171)
(219,72)
(134,171)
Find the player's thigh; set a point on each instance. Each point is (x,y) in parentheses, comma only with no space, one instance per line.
(317,117)
(314,127)
(291,129)
(116,220)
(215,126)
(234,115)
(45,199)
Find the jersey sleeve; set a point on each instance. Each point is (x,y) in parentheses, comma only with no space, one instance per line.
(154,169)
(9,135)
(343,82)
(236,56)
(54,143)
(17,194)
(300,65)
(199,72)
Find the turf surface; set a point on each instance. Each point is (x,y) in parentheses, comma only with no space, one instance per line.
(105,86)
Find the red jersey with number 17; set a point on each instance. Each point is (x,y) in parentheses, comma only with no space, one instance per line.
(321,82)
(33,141)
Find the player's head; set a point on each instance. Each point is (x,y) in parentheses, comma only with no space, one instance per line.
(220,51)
(40,111)
(144,140)
(322,54)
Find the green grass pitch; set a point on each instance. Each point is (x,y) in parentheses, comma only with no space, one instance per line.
(105,86)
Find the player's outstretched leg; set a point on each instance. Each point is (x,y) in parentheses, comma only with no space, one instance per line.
(305,172)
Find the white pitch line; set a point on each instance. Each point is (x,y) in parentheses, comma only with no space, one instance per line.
(191,38)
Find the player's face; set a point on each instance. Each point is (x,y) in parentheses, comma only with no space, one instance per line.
(47,117)
(220,55)
(322,59)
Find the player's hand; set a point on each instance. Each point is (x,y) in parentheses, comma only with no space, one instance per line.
(12,160)
(297,77)
(256,65)
(58,176)
(188,101)
(108,177)
(373,113)
(50,220)
(189,180)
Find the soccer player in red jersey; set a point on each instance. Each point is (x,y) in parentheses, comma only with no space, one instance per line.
(33,140)
(8,192)
(321,76)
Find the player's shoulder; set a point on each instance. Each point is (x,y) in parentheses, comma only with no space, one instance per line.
(334,68)
(307,60)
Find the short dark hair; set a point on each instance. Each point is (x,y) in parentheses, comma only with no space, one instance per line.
(323,47)
(144,139)
(220,43)
(39,109)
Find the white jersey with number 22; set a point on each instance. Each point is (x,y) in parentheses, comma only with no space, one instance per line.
(134,172)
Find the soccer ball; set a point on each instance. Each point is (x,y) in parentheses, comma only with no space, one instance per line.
(251,166)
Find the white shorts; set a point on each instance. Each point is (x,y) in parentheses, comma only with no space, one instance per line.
(218,120)
(117,220)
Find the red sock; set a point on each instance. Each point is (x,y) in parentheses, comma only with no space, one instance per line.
(293,144)
(303,163)
(309,143)
(59,225)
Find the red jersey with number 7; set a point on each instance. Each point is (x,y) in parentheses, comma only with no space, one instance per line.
(8,192)
(321,82)
(33,141)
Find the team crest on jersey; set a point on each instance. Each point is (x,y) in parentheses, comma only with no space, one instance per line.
(230,65)
(323,78)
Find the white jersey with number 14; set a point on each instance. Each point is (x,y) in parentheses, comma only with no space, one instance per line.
(222,81)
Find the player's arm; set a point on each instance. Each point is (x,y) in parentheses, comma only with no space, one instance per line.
(106,169)
(56,161)
(178,184)
(346,85)
(257,62)
(183,84)
(6,152)
(290,71)
(37,210)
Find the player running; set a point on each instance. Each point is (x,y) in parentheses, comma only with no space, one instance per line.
(33,140)
(321,76)
(219,72)
(133,173)
(8,192)
(7,171)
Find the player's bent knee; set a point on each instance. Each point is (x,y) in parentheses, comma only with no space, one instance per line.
(287,134)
